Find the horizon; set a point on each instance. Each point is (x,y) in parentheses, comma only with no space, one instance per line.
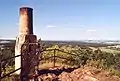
(64,40)
(64,19)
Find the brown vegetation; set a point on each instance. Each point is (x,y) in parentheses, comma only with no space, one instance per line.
(73,74)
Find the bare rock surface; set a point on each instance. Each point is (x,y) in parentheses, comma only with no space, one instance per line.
(76,74)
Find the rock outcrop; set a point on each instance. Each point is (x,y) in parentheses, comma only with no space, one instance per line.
(76,74)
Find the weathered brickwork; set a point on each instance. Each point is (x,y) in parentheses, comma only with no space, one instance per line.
(25,36)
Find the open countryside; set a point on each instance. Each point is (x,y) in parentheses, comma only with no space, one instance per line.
(60,40)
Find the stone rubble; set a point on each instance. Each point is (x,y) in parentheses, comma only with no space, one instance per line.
(80,74)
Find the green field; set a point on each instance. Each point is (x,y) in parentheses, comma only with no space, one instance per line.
(104,49)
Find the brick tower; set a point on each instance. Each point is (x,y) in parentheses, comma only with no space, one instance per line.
(25,36)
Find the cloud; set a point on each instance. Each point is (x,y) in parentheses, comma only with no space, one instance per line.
(91,30)
(50,26)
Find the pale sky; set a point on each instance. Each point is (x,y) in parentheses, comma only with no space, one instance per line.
(64,19)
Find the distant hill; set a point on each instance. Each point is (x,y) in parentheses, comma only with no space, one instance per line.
(92,43)
(7,43)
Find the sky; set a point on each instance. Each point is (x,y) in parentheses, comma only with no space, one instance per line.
(64,19)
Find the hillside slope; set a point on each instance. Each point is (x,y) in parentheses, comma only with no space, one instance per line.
(76,74)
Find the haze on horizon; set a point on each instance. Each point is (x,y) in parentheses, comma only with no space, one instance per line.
(64,19)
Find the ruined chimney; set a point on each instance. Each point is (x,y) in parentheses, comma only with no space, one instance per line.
(26,20)
(25,35)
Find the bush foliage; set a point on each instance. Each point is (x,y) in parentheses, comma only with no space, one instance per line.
(80,57)
(86,56)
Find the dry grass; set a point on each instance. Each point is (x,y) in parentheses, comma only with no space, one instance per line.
(48,65)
